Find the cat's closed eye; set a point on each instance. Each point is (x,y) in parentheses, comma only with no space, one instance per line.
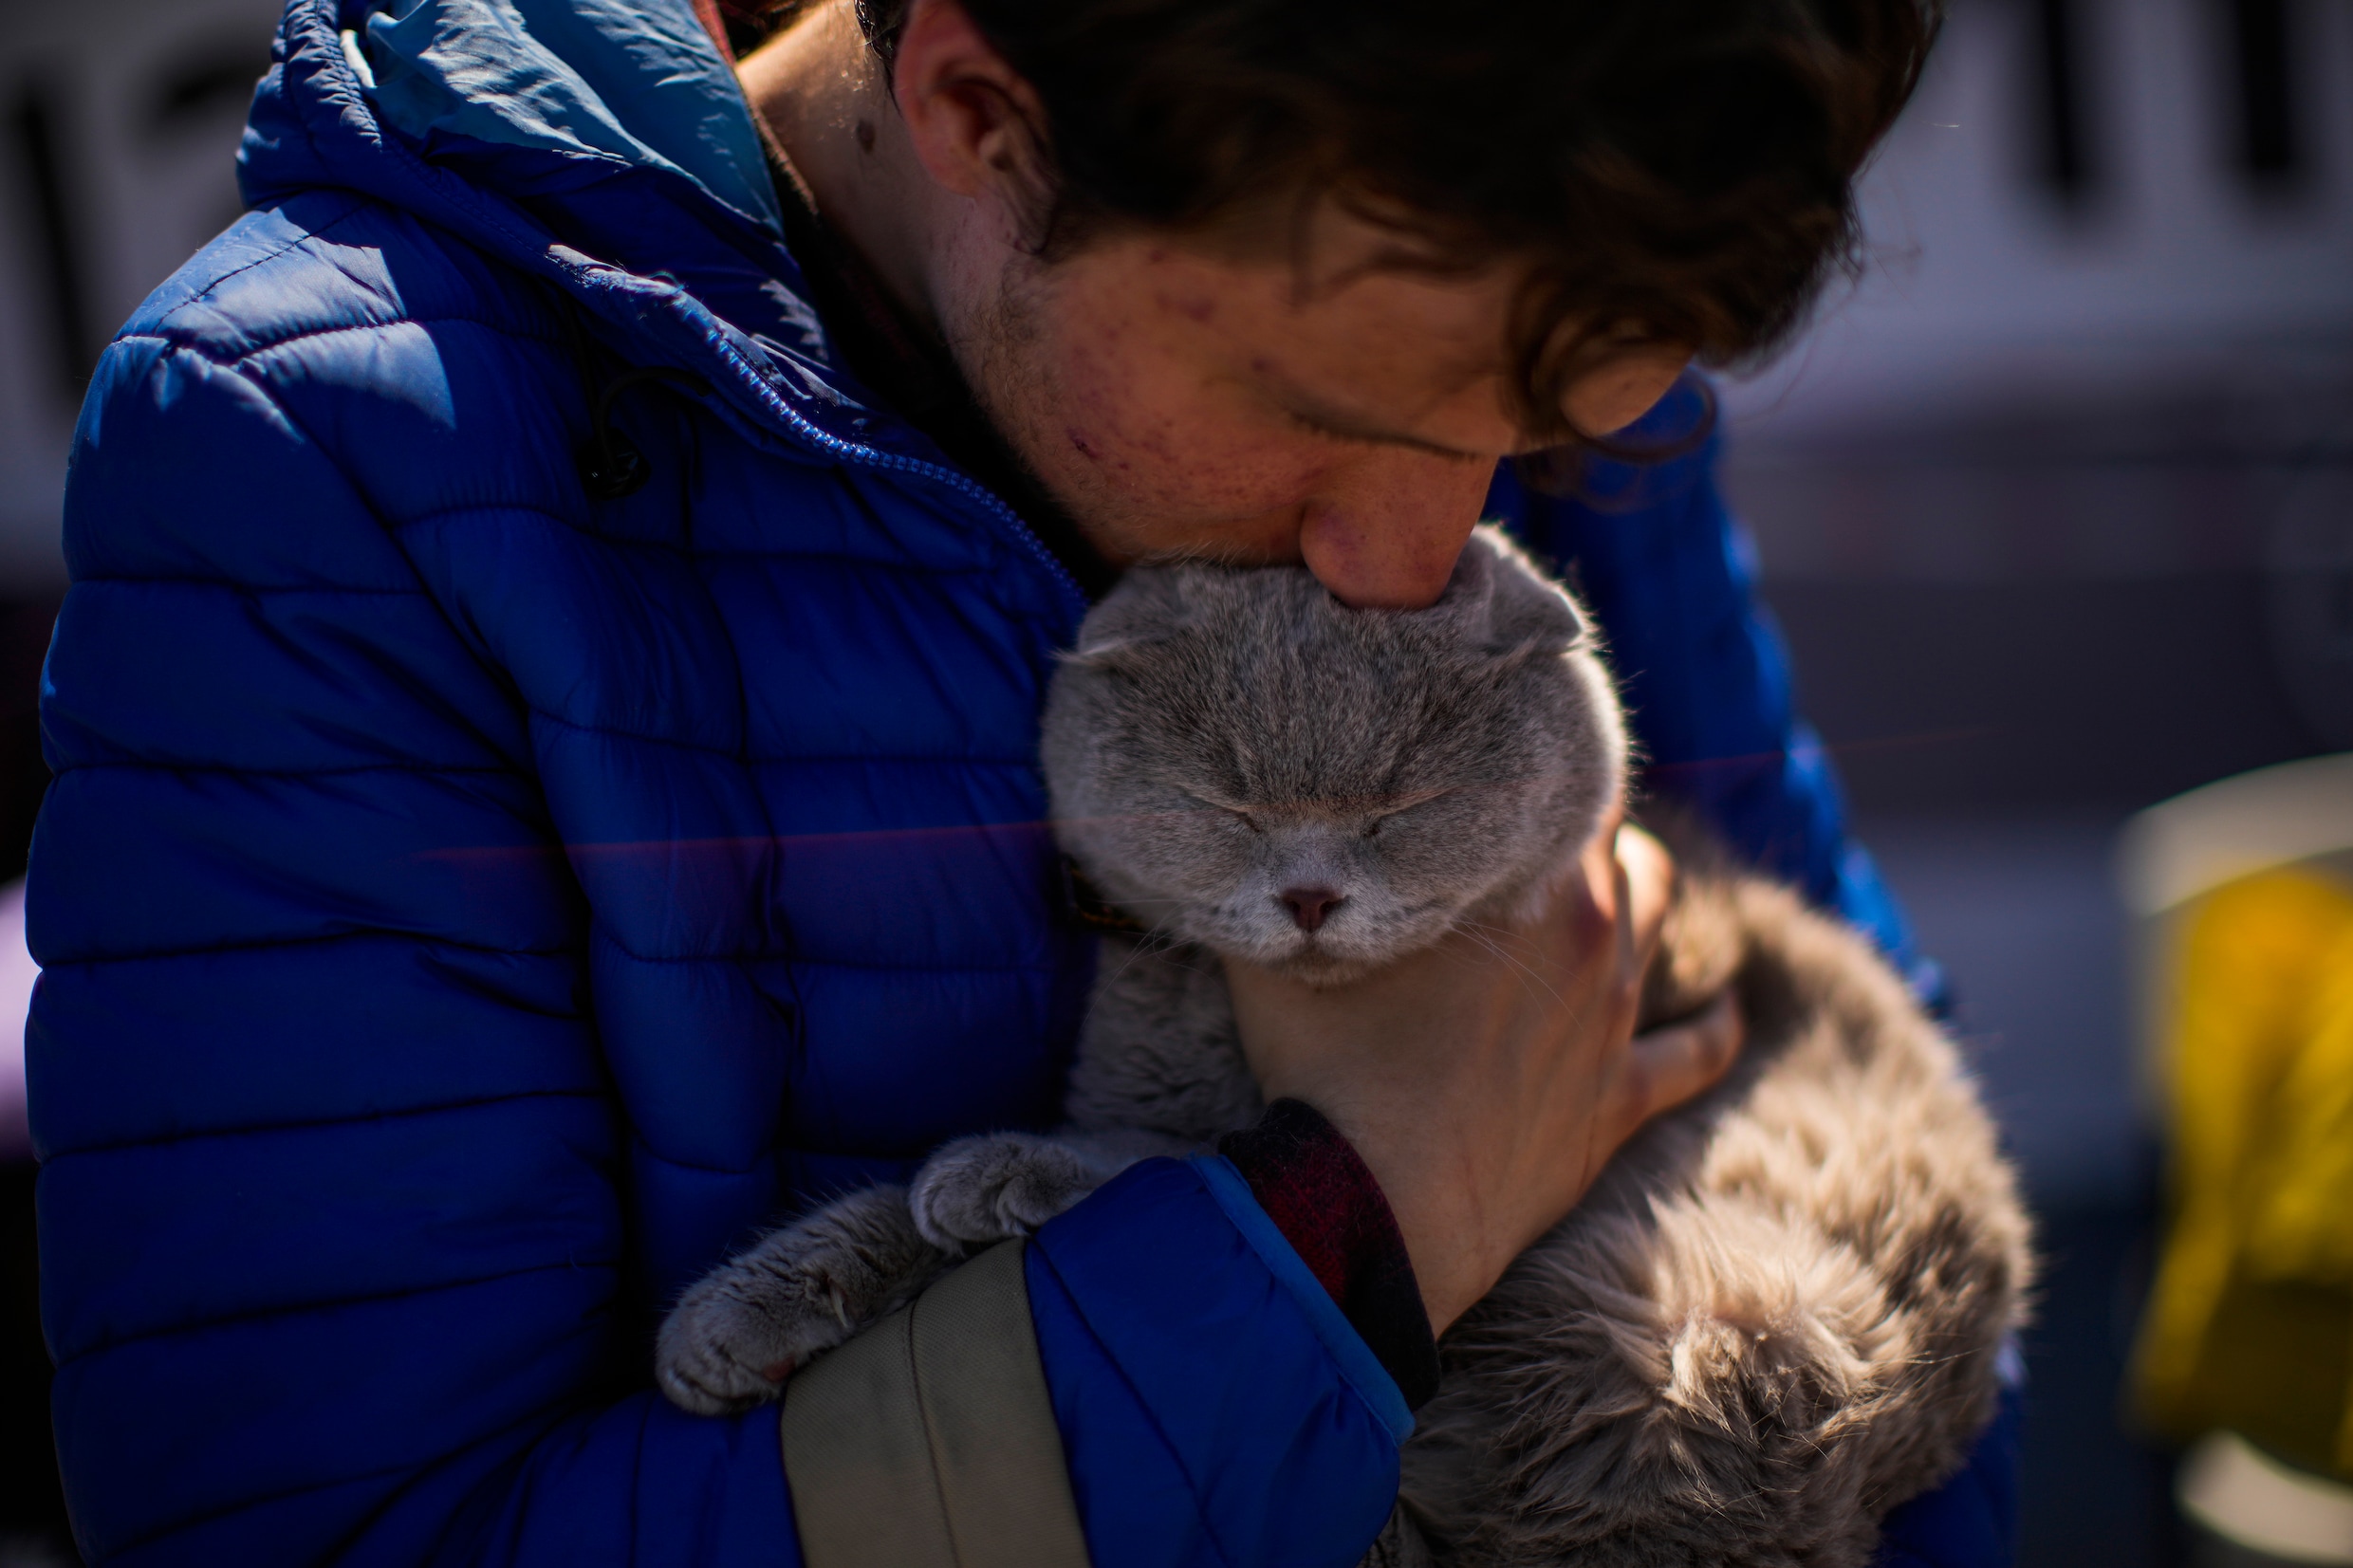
(1225,809)
(1398,806)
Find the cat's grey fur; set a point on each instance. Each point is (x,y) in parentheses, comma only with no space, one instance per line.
(1775,1316)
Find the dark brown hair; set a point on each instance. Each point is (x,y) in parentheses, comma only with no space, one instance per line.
(1672,171)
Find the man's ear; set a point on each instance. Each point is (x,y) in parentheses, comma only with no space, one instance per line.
(976,124)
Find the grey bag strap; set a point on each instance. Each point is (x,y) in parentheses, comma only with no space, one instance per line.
(929,1440)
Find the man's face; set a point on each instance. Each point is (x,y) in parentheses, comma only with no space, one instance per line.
(1322,410)
(1304,399)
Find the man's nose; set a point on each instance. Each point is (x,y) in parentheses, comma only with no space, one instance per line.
(1384,533)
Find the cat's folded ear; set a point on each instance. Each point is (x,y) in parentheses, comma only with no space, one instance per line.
(1512,607)
(1149,606)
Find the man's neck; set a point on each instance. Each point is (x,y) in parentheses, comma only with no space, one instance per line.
(855,207)
(820,94)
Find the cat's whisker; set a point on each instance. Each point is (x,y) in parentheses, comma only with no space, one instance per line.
(1490,938)
(1149,944)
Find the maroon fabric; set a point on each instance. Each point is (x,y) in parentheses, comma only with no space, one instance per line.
(707,12)
(1317,1190)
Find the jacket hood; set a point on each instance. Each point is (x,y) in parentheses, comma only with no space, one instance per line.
(604,147)
(639,82)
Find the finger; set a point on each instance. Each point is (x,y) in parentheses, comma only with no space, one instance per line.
(1646,886)
(1670,1065)
(1590,907)
(1632,957)
(1596,863)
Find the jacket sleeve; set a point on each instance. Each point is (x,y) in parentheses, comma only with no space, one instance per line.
(1671,575)
(1971,1520)
(1217,1408)
(333,1253)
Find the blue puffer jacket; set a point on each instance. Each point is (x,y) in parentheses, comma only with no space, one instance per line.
(468,907)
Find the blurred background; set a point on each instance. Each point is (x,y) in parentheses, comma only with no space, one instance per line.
(2055,506)
(2056,510)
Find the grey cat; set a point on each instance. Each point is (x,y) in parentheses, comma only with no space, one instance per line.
(1778,1312)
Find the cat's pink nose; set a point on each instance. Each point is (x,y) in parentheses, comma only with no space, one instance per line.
(1309,905)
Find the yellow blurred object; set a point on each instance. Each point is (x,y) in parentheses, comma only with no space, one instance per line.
(2249,1325)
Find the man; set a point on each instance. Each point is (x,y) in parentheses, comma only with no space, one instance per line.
(544,727)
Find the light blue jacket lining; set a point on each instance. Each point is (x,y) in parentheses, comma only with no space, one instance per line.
(634,80)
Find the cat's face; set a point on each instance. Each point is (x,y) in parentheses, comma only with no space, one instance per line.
(1240,762)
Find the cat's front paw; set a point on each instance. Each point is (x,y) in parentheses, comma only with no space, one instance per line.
(997,1186)
(742,1329)
(719,1353)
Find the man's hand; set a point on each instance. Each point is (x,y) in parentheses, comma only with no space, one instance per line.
(1487,1081)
